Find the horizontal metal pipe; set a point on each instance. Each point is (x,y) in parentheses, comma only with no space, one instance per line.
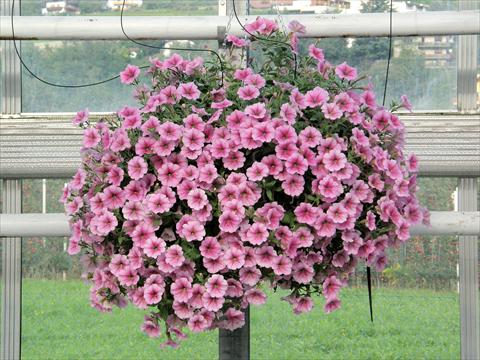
(25,225)
(446,144)
(212,27)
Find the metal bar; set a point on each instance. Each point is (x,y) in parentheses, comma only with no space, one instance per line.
(468,271)
(235,345)
(206,27)
(56,224)
(467,63)
(11,277)
(446,143)
(11,294)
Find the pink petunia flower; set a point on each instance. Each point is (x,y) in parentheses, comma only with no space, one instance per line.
(234,258)
(330,187)
(91,137)
(303,304)
(344,71)
(265,256)
(282,266)
(216,286)
(306,214)
(169,174)
(255,297)
(153,294)
(303,273)
(316,97)
(197,199)
(242,74)
(128,276)
(193,230)
(256,111)
(256,234)
(197,323)
(137,167)
(331,304)
(274,165)
(293,185)
(234,160)
(212,303)
(263,132)
(334,160)
(129,75)
(406,103)
(255,80)
(81,117)
(189,91)
(310,136)
(235,319)
(151,327)
(316,53)
(257,171)
(296,164)
(210,248)
(154,247)
(181,289)
(174,256)
(248,92)
(288,113)
(237,41)
(331,111)
(331,286)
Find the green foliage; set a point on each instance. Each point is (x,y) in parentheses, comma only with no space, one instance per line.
(87,7)
(374,6)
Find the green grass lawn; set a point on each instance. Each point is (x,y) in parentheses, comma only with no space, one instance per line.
(58,323)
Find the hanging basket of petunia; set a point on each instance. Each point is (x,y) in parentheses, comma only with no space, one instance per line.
(287,176)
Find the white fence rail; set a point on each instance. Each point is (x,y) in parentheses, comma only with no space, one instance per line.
(213,27)
(446,144)
(442,223)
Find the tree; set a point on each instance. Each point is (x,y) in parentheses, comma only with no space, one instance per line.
(366,51)
(32,8)
(88,7)
(375,6)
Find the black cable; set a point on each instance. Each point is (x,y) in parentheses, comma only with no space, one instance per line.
(266,39)
(170,48)
(369,285)
(70,86)
(369,275)
(389,54)
(46,81)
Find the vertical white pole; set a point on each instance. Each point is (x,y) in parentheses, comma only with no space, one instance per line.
(467,199)
(10,82)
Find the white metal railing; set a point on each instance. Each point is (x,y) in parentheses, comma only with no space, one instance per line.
(442,223)
(213,27)
(446,144)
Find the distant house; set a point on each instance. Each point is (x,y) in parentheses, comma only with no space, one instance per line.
(268,4)
(313,6)
(60,7)
(116,5)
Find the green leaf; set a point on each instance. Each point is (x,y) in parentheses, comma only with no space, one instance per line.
(270,194)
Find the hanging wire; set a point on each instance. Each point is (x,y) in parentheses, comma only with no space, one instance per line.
(76,86)
(369,275)
(266,39)
(171,48)
(70,86)
(389,53)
